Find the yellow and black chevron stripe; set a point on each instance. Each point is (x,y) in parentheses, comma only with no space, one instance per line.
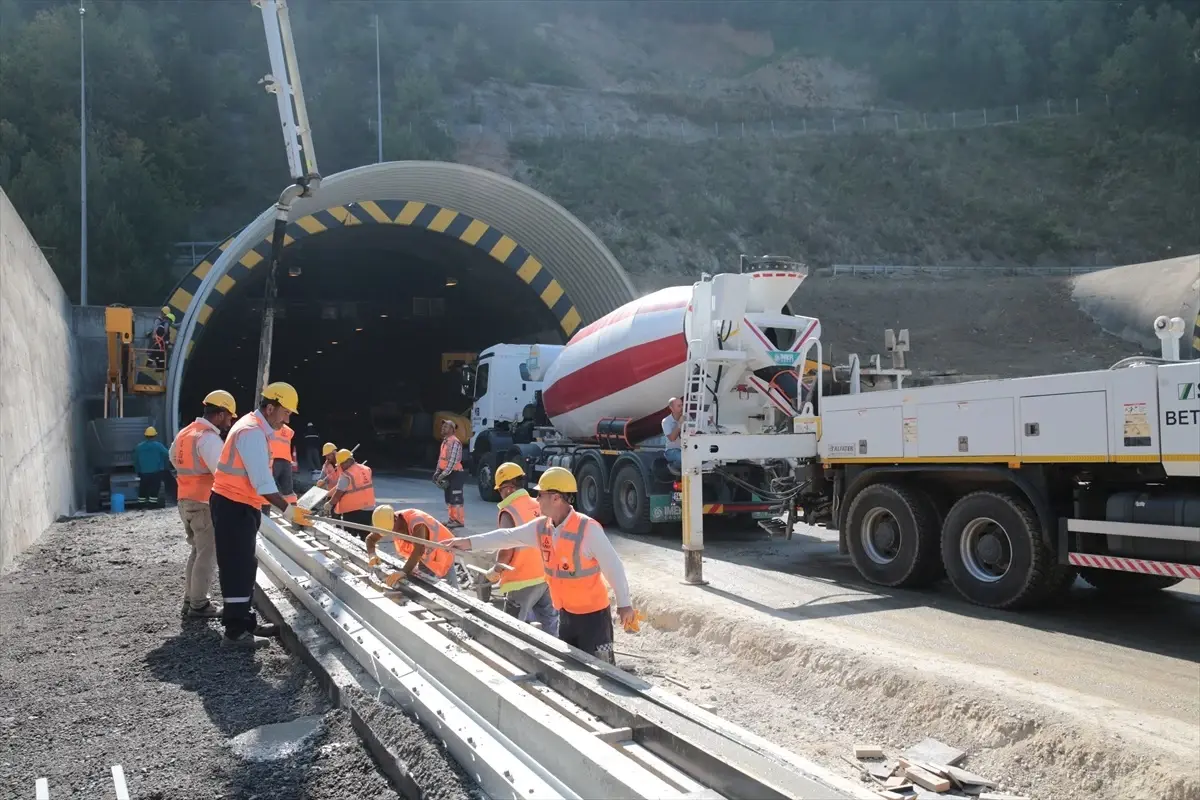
(413,213)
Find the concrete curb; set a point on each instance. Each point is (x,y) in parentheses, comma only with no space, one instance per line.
(347,684)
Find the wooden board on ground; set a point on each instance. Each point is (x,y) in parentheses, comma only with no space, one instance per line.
(934,752)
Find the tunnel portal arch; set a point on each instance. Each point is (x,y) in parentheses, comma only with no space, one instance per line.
(553,253)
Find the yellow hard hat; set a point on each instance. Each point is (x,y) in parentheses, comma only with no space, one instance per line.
(327,448)
(558,479)
(150,432)
(284,394)
(343,456)
(221,399)
(383,517)
(508,471)
(166,309)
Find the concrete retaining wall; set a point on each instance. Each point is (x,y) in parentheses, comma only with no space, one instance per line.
(1124,301)
(41,425)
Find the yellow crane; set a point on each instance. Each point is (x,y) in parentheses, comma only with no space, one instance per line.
(135,370)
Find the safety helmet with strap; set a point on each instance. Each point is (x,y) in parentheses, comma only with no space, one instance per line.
(221,399)
(508,471)
(284,394)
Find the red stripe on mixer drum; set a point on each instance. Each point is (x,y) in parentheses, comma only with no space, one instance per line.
(614,373)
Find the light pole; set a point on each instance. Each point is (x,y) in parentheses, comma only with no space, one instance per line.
(83,221)
(378,95)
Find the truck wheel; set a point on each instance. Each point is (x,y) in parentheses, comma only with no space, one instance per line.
(593,498)
(892,536)
(486,478)
(1112,581)
(631,501)
(994,554)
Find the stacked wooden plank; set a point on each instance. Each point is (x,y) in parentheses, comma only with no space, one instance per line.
(925,771)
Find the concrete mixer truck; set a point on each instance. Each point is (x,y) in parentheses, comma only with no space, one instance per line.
(596,405)
(1009,488)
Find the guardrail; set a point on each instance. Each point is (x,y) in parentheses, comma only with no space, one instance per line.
(956,271)
(189,254)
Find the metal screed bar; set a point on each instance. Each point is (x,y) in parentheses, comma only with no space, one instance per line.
(526,715)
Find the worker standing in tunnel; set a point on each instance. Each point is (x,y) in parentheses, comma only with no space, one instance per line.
(329,470)
(575,554)
(312,448)
(195,454)
(526,594)
(449,474)
(150,460)
(411,522)
(282,454)
(354,498)
(242,482)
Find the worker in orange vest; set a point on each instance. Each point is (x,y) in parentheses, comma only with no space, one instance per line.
(523,585)
(283,457)
(195,454)
(449,474)
(575,554)
(329,470)
(411,522)
(242,482)
(354,497)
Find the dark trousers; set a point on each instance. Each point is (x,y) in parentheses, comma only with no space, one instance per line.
(454,488)
(362,517)
(235,531)
(150,487)
(592,633)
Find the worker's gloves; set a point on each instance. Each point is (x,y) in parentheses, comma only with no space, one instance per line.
(373,561)
(492,575)
(630,618)
(298,516)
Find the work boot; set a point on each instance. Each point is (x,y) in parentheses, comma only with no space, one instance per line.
(207,611)
(268,631)
(187,606)
(245,641)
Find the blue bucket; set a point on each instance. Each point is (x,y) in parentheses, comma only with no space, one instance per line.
(117,503)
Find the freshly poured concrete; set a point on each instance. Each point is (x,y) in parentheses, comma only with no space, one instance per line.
(276,741)
(41,455)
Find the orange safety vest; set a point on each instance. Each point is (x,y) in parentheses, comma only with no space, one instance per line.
(436,560)
(527,569)
(576,585)
(232,481)
(281,443)
(361,493)
(444,457)
(194,480)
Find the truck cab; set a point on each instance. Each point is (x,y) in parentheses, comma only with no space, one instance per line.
(502,384)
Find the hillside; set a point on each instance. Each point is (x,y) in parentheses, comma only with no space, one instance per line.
(1055,193)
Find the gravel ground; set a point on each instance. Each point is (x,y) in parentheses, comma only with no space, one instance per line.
(97,669)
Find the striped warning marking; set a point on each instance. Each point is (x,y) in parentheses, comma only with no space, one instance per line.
(412,213)
(1164,568)
(41,786)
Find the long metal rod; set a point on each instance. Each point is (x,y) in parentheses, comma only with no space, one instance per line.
(83,218)
(378,95)
(358,526)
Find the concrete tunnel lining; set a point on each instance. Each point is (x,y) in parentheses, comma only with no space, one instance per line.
(543,243)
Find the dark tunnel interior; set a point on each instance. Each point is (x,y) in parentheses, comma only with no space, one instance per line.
(361,333)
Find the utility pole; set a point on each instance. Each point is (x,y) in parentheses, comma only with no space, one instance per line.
(83,220)
(378,95)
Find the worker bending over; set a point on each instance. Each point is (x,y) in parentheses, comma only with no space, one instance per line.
(575,554)
(329,471)
(150,460)
(523,586)
(354,497)
(242,483)
(195,453)
(283,453)
(449,474)
(411,522)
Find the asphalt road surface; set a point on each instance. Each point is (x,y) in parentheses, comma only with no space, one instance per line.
(1133,666)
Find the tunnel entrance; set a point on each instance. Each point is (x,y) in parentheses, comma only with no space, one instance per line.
(362,332)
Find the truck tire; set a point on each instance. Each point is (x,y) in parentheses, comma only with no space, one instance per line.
(994,554)
(486,478)
(593,498)
(631,501)
(892,536)
(1114,582)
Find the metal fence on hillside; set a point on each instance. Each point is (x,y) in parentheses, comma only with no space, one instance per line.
(688,128)
(877,270)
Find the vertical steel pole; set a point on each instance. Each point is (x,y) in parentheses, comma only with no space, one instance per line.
(83,220)
(378,94)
